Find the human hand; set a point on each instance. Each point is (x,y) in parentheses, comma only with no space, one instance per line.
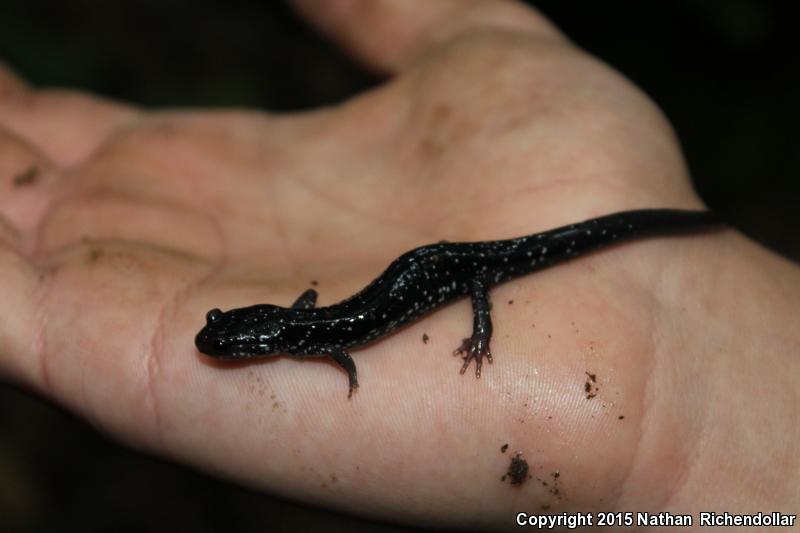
(124,227)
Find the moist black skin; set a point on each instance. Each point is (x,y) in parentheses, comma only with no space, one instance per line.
(422,280)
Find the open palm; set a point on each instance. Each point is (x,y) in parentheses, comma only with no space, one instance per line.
(123,227)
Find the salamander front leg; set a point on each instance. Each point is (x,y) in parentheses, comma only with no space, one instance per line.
(477,346)
(307,300)
(345,361)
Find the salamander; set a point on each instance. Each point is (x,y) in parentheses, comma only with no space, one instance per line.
(420,281)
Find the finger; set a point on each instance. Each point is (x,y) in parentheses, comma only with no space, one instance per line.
(387,34)
(26,185)
(64,126)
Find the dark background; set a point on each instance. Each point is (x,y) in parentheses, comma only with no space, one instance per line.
(726,73)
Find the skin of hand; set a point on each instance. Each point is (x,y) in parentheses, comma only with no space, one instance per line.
(122,227)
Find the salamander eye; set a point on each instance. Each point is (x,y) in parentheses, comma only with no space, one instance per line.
(269,329)
(213,316)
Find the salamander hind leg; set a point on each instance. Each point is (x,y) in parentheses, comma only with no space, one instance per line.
(344,360)
(474,348)
(307,300)
(477,346)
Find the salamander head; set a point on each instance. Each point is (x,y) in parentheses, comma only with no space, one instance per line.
(242,333)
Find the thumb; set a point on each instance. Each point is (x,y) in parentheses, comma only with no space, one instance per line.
(387,34)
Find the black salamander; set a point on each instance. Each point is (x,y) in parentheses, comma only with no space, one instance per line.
(421,280)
